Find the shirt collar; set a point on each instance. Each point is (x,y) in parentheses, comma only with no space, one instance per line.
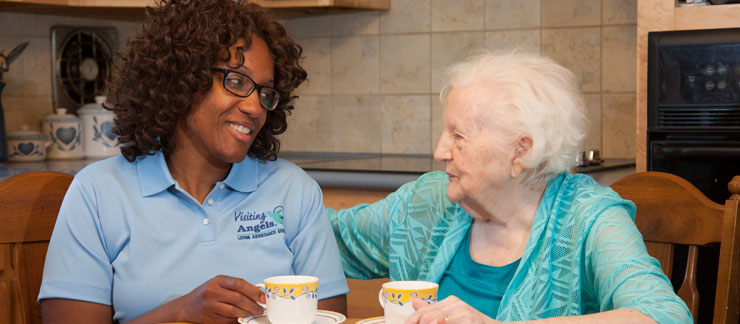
(243,175)
(154,175)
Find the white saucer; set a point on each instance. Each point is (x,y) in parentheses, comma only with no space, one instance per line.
(372,320)
(322,317)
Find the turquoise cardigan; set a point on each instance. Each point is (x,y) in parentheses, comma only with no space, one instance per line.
(584,253)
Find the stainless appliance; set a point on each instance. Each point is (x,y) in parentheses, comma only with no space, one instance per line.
(693,123)
(82,59)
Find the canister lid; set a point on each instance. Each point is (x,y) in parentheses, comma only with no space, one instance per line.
(26,133)
(60,116)
(94,108)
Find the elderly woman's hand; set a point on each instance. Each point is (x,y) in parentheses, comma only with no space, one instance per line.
(448,311)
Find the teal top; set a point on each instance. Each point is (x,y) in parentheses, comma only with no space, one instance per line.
(480,285)
(584,253)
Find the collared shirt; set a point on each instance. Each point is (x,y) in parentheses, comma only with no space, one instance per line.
(129,236)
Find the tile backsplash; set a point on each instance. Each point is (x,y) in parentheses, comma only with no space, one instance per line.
(375,76)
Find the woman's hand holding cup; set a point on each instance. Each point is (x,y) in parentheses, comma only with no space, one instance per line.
(396,298)
(220,300)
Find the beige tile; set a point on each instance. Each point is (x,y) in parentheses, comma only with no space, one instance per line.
(317,63)
(593,113)
(13,112)
(619,12)
(437,119)
(618,122)
(14,77)
(309,126)
(526,39)
(406,16)
(619,50)
(512,14)
(405,124)
(11,24)
(404,63)
(457,15)
(406,164)
(578,49)
(26,110)
(356,123)
(37,68)
(355,23)
(35,25)
(308,26)
(450,48)
(564,13)
(355,65)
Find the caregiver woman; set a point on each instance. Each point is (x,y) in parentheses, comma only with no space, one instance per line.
(507,232)
(197,209)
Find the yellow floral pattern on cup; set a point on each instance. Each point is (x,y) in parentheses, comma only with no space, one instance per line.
(402,296)
(292,291)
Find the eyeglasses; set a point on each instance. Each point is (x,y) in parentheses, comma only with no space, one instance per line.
(242,86)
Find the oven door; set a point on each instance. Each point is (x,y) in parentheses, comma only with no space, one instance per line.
(707,165)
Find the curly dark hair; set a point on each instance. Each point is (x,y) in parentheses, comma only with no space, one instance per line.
(169,59)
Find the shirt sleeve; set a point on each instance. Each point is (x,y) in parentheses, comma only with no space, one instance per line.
(314,248)
(363,233)
(77,265)
(623,275)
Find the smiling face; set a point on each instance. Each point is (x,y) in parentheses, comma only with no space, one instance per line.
(478,158)
(221,126)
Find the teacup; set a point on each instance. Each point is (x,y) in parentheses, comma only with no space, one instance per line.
(395,298)
(291,299)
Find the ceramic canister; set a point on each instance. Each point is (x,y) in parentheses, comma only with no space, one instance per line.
(97,130)
(65,134)
(27,145)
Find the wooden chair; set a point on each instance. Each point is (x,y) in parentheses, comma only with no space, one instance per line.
(29,203)
(672,211)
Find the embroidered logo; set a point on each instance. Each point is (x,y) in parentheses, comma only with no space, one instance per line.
(252,225)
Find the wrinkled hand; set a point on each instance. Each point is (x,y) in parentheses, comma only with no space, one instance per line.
(222,299)
(450,310)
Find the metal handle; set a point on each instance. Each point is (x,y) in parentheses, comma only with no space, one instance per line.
(694,152)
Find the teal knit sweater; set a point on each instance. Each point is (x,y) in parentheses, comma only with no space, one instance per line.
(584,253)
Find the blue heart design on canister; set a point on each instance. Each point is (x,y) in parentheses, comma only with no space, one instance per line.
(107,128)
(25,148)
(66,135)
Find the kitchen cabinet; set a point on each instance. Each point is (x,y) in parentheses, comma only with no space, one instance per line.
(340,198)
(664,15)
(133,9)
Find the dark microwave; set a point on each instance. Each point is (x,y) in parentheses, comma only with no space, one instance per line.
(694,107)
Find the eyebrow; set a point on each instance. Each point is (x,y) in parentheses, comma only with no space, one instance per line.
(247,71)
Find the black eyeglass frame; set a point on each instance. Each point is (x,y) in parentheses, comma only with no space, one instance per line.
(255,85)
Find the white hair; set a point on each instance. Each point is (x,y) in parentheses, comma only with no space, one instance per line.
(533,97)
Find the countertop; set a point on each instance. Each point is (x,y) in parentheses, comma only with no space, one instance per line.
(347,170)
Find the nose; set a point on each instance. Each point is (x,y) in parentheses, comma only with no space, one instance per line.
(251,105)
(442,152)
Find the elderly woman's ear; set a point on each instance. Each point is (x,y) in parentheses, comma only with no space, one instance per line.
(522,145)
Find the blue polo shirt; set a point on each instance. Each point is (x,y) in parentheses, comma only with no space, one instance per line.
(129,236)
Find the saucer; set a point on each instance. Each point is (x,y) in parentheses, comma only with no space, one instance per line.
(322,317)
(372,320)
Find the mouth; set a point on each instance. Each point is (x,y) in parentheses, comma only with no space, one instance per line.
(241,131)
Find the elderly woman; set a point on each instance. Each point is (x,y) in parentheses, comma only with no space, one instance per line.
(197,208)
(507,232)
